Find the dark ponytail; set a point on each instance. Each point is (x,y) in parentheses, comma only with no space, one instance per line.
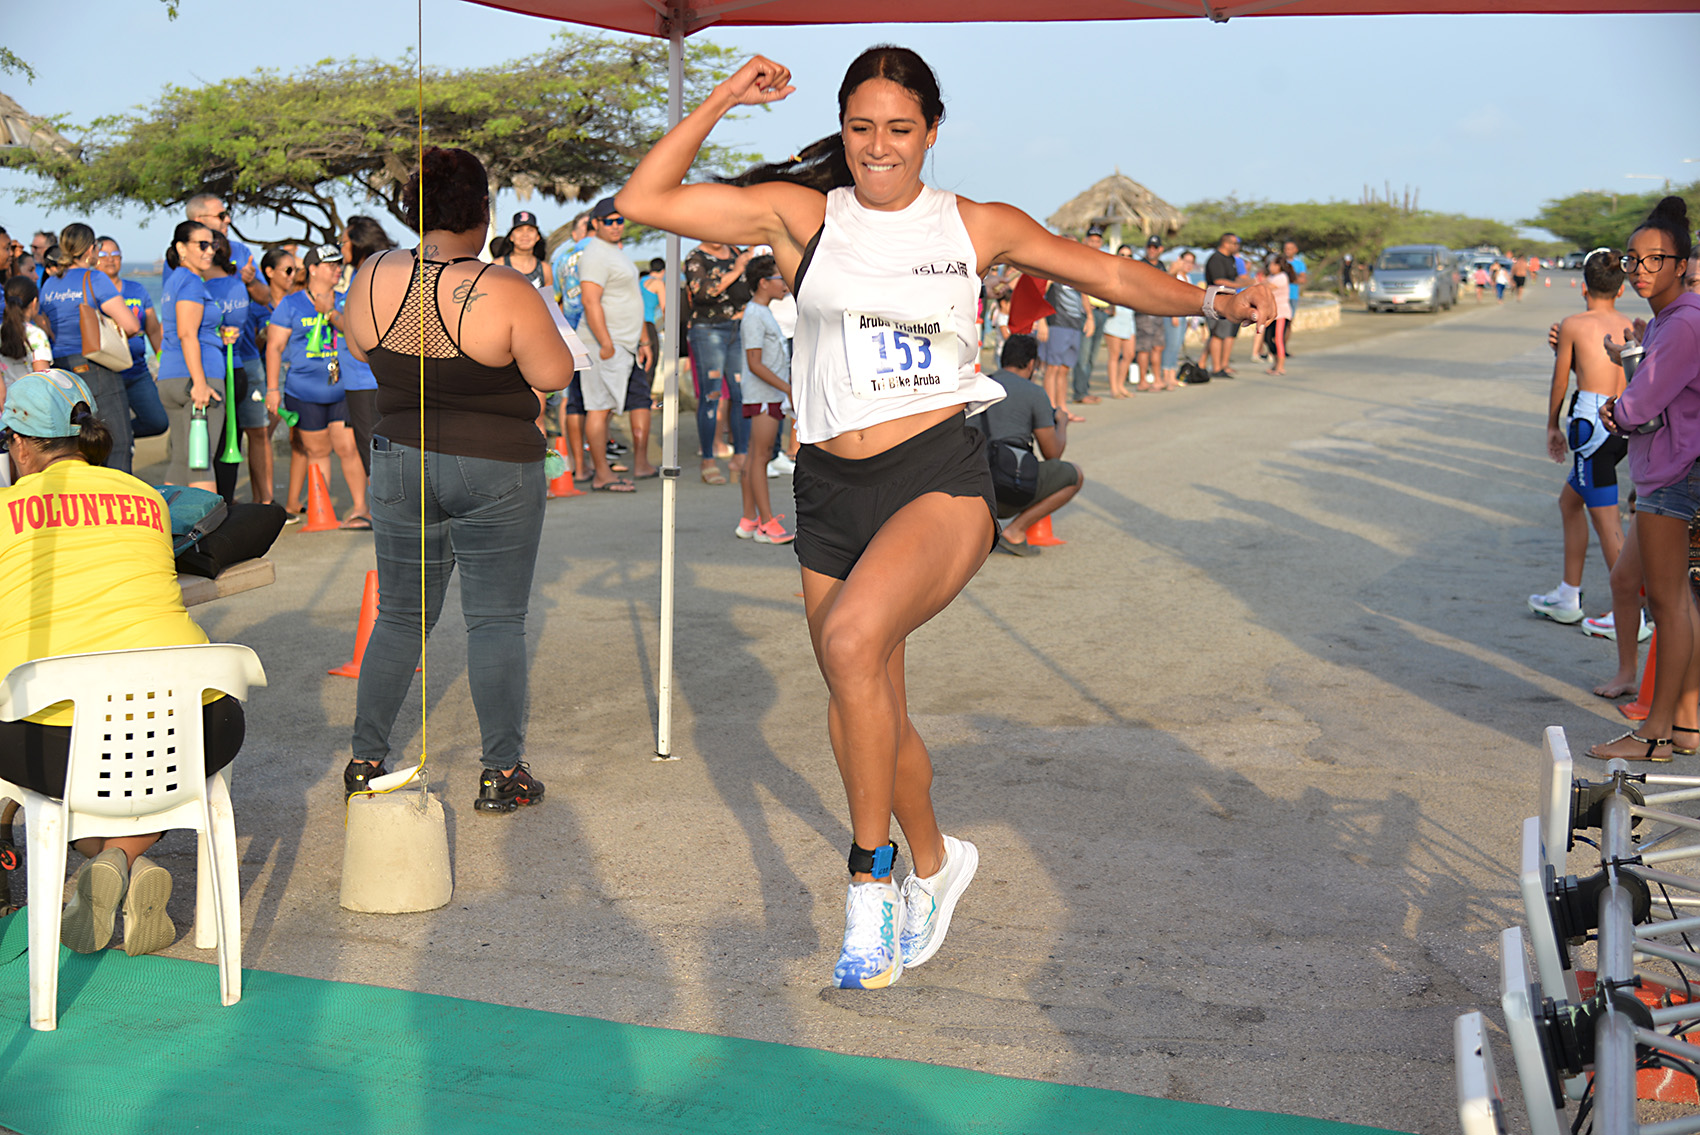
(93,442)
(180,235)
(822,165)
(20,293)
(1670,216)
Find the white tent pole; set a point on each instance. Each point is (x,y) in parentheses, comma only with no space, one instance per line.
(670,411)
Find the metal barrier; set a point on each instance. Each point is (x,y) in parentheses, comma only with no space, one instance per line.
(1587,1043)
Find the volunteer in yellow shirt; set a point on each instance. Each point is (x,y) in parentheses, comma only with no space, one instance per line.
(86,565)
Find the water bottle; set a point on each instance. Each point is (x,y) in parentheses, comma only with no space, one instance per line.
(200,449)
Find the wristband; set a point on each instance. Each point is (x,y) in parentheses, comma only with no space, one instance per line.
(1210,294)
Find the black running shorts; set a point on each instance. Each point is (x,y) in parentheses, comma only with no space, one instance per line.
(842,504)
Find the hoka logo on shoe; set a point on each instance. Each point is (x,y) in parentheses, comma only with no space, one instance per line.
(886,920)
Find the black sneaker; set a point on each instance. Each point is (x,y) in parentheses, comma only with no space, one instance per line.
(358,775)
(499,792)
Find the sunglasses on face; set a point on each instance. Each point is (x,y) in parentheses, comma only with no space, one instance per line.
(613,220)
(203,245)
(113,255)
(221,215)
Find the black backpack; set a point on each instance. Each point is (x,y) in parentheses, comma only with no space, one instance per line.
(1015,470)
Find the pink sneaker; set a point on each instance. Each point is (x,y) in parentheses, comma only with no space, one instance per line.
(774,532)
(747,528)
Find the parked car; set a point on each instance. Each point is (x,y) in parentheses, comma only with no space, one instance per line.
(1573,260)
(1413,276)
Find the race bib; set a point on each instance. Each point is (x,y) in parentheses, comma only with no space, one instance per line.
(895,358)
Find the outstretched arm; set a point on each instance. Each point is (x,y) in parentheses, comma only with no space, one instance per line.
(1003,234)
(656,195)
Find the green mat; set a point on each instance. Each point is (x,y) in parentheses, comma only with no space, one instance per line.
(143,1046)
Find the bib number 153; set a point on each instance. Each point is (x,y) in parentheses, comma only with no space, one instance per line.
(896,358)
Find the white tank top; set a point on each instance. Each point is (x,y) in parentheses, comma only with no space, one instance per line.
(886,328)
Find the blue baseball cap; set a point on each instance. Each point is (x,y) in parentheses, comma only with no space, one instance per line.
(40,404)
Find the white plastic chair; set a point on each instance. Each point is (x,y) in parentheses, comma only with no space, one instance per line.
(137,765)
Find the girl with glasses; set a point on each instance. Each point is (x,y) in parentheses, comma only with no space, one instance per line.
(1660,412)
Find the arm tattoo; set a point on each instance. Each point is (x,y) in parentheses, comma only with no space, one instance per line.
(463,293)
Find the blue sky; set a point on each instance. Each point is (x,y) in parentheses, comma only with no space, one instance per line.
(1487,115)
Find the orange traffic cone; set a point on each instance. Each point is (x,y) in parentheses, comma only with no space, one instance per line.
(563,486)
(1638,709)
(368,616)
(1040,536)
(321,517)
(1549,281)
(1573,281)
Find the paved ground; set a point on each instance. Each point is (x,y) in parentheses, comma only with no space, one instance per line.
(1246,760)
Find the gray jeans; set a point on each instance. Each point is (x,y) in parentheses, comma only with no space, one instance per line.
(485,517)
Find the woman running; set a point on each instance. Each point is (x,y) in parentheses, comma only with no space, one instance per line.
(895,510)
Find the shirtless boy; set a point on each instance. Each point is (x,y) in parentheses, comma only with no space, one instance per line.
(1590,492)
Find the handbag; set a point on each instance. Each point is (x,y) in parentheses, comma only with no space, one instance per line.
(1015,471)
(1191,374)
(103,342)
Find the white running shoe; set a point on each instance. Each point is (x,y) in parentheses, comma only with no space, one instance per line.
(928,903)
(86,925)
(1549,606)
(1606,627)
(781,466)
(871,958)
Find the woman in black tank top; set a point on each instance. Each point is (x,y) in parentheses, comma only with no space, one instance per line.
(458,348)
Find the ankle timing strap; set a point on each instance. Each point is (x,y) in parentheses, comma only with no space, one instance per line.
(876,863)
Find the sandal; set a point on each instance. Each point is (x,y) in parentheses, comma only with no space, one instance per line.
(1654,745)
(1682,752)
(713,476)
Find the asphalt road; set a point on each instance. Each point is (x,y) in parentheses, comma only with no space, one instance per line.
(1246,760)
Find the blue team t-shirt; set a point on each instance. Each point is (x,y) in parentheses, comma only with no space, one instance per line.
(184,286)
(230,295)
(240,254)
(254,329)
(1298,265)
(309,350)
(136,298)
(60,299)
(355,375)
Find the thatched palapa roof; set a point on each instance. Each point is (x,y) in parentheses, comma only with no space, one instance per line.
(20,128)
(1114,202)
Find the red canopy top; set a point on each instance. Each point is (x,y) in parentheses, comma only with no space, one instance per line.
(648,17)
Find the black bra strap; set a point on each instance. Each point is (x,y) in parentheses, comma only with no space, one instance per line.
(371,308)
(808,256)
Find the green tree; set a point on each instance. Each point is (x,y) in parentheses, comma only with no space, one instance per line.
(1597,219)
(563,123)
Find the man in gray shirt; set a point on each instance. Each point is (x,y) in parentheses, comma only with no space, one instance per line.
(613,313)
(1026,416)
